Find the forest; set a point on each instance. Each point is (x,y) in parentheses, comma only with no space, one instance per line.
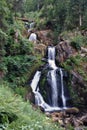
(59,23)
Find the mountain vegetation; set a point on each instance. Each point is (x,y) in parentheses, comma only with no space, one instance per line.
(19,61)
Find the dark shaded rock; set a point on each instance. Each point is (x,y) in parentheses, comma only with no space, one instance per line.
(30,96)
(80,87)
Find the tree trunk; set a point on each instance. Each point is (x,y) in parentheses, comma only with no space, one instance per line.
(80,20)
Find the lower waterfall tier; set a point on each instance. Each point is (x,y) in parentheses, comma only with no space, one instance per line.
(50,86)
(51,89)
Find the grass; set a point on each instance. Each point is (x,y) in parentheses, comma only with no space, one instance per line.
(16,114)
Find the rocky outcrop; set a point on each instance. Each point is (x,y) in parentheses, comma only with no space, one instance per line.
(79,86)
(64,51)
(71,116)
(45,37)
(40,49)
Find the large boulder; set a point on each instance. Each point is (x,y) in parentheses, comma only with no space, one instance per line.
(40,49)
(64,51)
(45,37)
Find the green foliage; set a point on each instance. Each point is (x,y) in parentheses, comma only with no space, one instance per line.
(68,14)
(76,38)
(17,56)
(30,5)
(20,90)
(78,65)
(76,60)
(17,44)
(82,73)
(67,65)
(55,34)
(4,12)
(41,24)
(77,42)
(18,26)
(72,62)
(17,68)
(74,95)
(3,38)
(33,15)
(17,114)
(26,47)
(84,41)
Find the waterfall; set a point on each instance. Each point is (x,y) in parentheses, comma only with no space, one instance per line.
(35,81)
(38,97)
(34,85)
(54,88)
(57,97)
(62,87)
(51,57)
(51,53)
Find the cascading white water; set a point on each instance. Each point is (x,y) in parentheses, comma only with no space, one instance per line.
(51,53)
(51,57)
(51,61)
(35,81)
(54,86)
(35,88)
(62,87)
(34,85)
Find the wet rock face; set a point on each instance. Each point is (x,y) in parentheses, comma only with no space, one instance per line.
(63,51)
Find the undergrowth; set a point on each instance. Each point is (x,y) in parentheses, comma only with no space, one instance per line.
(15,114)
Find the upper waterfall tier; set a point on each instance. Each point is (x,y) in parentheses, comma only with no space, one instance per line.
(51,57)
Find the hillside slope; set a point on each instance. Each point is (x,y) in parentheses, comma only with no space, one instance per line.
(19,115)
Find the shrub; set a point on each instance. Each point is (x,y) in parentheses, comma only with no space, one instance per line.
(3,38)
(17,67)
(77,42)
(26,47)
